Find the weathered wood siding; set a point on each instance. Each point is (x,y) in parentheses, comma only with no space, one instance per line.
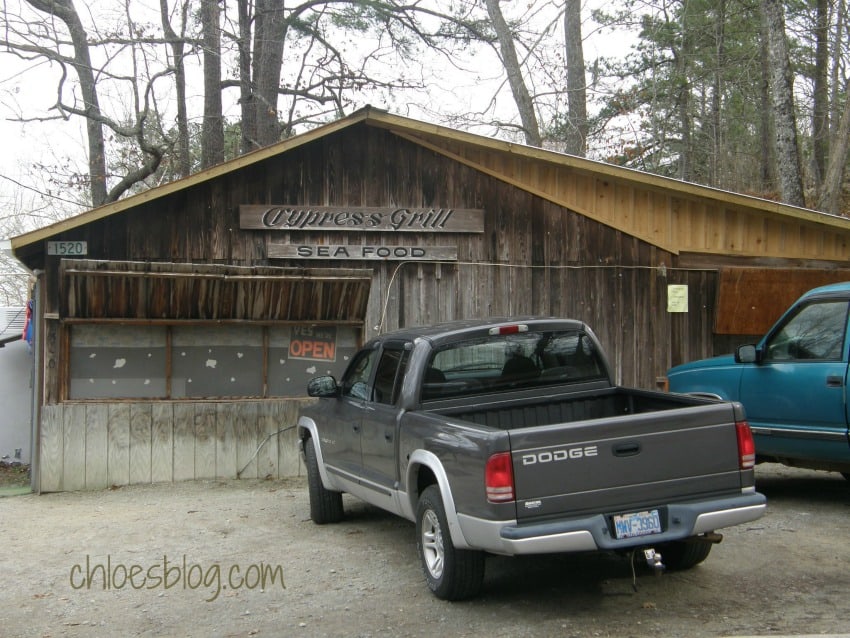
(94,445)
(561,236)
(534,256)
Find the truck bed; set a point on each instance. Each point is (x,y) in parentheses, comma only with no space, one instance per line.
(515,413)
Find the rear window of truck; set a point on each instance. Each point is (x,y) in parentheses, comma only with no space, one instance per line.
(504,362)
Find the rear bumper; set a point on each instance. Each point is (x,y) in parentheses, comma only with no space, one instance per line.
(593,533)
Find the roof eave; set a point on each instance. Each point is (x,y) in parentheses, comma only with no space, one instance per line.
(95,214)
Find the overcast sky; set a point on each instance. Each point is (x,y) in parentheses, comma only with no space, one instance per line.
(30,89)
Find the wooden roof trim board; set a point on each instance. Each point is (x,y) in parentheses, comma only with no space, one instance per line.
(538,192)
(417,132)
(600,169)
(242,161)
(665,235)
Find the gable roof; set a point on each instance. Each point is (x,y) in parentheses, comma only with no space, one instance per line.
(671,214)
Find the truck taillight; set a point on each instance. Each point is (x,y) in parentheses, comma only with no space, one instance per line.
(499,478)
(746,445)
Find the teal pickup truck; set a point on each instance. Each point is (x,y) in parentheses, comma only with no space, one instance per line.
(793,383)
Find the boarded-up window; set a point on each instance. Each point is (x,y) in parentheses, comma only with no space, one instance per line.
(217,361)
(204,361)
(750,300)
(117,361)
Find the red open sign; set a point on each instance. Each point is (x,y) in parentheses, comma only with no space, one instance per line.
(317,344)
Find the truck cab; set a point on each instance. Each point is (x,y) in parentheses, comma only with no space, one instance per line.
(792,383)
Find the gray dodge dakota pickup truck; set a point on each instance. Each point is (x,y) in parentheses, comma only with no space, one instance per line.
(508,436)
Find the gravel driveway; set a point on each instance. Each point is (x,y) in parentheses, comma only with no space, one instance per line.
(241,558)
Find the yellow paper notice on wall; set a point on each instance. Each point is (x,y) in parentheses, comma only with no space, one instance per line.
(677,298)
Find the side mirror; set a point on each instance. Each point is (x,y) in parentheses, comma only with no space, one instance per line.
(746,354)
(322,387)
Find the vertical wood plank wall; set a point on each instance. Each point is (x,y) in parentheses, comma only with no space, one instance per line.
(95,446)
(533,256)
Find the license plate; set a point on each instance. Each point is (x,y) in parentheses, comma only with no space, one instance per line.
(637,524)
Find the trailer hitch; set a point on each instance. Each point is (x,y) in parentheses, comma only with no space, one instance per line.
(653,560)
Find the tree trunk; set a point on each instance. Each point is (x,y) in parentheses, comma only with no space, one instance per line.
(788,166)
(717,93)
(820,106)
(683,101)
(837,66)
(212,129)
(246,82)
(831,190)
(269,34)
(766,162)
(523,100)
(577,125)
(65,11)
(177,45)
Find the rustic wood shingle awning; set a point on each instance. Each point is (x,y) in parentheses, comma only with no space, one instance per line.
(157,291)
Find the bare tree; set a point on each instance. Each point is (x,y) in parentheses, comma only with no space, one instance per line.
(212,129)
(522,97)
(81,62)
(178,47)
(46,39)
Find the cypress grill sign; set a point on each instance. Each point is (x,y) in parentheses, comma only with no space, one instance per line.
(324,218)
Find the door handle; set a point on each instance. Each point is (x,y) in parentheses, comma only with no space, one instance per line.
(356,427)
(627,449)
(834,381)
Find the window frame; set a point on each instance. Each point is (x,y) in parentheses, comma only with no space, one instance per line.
(772,348)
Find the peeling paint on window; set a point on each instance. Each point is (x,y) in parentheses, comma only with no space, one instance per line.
(119,363)
(211,363)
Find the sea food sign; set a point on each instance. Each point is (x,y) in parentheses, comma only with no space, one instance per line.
(359,219)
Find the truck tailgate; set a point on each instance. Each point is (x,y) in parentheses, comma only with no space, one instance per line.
(625,462)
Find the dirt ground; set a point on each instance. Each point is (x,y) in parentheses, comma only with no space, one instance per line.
(13,475)
(187,559)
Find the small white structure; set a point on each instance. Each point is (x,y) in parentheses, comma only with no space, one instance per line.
(16,363)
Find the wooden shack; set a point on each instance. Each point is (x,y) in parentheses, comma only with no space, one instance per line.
(176,329)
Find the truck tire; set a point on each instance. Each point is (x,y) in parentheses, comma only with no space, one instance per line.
(325,504)
(681,555)
(452,574)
